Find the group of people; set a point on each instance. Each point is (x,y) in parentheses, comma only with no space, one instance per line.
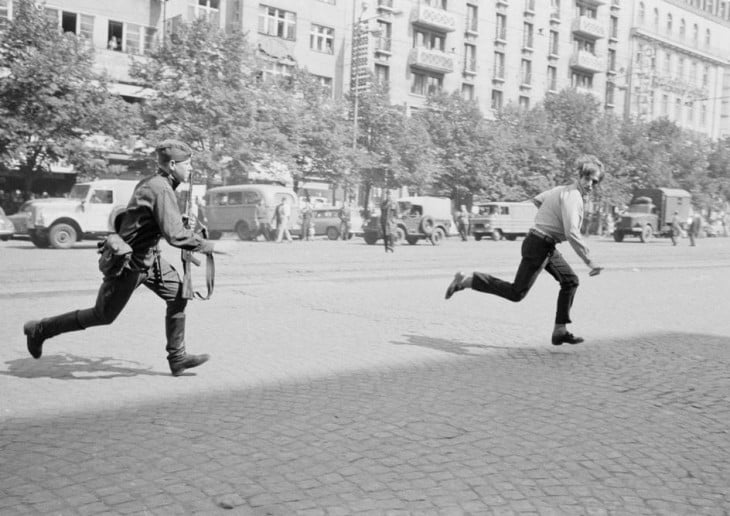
(153,213)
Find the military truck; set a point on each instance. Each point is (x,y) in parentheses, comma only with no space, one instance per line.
(419,218)
(503,220)
(651,211)
(87,213)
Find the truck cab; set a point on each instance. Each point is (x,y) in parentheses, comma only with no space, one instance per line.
(87,213)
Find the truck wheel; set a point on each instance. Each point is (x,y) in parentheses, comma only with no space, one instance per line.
(496,235)
(333,233)
(477,236)
(646,233)
(41,242)
(243,231)
(426,225)
(215,235)
(618,236)
(62,236)
(437,236)
(370,238)
(400,235)
(511,238)
(412,240)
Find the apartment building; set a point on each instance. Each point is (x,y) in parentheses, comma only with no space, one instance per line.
(639,58)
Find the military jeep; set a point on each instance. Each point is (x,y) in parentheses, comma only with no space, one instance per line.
(419,218)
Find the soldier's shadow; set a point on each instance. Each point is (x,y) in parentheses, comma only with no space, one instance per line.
(450,346)
(72,367)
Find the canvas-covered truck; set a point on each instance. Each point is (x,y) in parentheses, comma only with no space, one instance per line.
(651,211)
(87,213)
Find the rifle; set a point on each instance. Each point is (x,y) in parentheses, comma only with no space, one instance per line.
(188,257)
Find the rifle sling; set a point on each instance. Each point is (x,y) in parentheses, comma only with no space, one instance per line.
(209,276)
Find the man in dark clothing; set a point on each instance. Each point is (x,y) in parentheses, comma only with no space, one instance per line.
(152,213)
(388,213)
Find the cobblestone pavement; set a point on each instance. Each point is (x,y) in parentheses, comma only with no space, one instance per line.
(342,383)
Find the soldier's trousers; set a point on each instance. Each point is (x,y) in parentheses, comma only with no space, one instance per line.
(113,295)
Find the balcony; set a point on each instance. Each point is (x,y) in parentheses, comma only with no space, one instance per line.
(433,18)
(431,60)
(588,28)
(383,46)
(583,60)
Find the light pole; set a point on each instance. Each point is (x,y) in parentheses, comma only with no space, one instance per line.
(358,55)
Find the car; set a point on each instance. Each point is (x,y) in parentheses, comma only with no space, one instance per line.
(7,228)
(20,219)
(326,222)
(419,218)
(503,219)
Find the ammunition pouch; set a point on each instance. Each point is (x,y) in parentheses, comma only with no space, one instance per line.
(114,255)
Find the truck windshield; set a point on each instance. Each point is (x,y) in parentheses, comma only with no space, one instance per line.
(79,192)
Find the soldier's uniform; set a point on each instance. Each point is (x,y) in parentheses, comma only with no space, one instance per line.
(388,212)
(152,213)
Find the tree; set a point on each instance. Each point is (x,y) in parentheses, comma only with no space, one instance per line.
(51,99)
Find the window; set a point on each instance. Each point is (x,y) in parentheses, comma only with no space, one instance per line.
(501,26)
(691,113)
(642,13)
(102,197)
(115,32)
(682,28)
(383,41)
(524,103)
(703,115)
(429,40)
(581,80)
(472,18)
(325,82)
(382,74)
(4,13)
(498,65)
(586,10)
(527,35)
(614,27)
(554,38)
(695,34)
(656,19)
(706,76)
(584,45)
(470,58)
(467,91)
(665,105)
(208,9)
(322,39)
(134,35)
(680,68)
(530,5)
(693,71)
(610,94)
(678,110)
(707,38)
(611,60)
(667,68)
(552,78)
(439,4)
(425,84)
(497,99)
(526,72)
(150,39)
(277,22)
(669,23)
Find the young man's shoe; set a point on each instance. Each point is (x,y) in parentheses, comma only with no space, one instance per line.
(566,338)
(455,285)
(34,337)
(187,362)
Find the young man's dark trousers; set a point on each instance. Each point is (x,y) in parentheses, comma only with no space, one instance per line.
(538,253)
(113,295)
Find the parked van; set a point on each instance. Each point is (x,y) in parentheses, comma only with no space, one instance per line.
(233,208)
(503,219)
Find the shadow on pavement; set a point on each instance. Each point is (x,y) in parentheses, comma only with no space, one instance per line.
(73,367)
(449,346)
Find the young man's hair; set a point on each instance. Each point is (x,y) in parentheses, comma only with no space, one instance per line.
(589,164)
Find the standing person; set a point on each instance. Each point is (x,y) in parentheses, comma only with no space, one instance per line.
(559,218)
(345,218)
(462,222)
(152,213)
(676,227)
(282,214)
(388,212)
(262,221)
(694,228)
(306,219)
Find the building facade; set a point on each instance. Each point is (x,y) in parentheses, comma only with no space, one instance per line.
(639,58)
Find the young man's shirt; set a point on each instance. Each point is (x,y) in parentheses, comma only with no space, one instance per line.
(560,215)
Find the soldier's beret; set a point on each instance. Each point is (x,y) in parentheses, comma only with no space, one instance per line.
(173,150)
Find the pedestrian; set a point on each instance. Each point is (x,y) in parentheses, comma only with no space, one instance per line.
(306,219)
(559,218)
(263,227)
(462,222)
(694,228)
(676,226)
(388,213)
(282,214)
(151,213)
(345,221)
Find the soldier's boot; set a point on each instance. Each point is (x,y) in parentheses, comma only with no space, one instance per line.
(178,359)
(36,332)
